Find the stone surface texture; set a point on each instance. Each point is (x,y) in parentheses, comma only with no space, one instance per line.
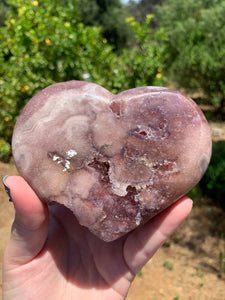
(114,160)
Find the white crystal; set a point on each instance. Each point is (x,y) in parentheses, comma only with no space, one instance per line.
(138,218)
(71,153)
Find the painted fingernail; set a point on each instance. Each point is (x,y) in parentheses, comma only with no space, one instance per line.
(6,188)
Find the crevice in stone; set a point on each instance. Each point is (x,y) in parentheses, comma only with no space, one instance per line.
(131,192)
(102,167)
(115,108)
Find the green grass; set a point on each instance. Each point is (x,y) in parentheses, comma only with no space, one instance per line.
(168,265)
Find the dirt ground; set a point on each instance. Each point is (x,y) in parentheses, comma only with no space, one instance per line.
(187,267)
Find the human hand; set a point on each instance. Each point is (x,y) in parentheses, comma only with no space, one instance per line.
(50,256)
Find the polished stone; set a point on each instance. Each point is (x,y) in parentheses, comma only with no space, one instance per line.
(114,160)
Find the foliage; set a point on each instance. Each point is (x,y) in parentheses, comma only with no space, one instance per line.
(168,265)
(89,11)
(110,16)
(43,43)
(195,39)
(195,194)
(140,273)
(46,42)
(213,182)
(142,64)
(139,9)
(4,149)
(4,7)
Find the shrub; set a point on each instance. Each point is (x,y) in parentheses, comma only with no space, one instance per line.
(42,43)
(143,64)
(195,39)
(213,182)
(46,42)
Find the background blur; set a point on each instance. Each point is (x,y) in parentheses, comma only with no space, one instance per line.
(120,45)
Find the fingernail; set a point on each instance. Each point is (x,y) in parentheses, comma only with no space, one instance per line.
(6,188)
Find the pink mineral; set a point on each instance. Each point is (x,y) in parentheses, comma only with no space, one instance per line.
(114,160)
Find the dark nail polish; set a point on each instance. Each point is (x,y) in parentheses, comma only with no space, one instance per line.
(7,189)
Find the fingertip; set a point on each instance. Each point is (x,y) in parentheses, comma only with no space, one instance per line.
(185,200)
(174,215)
(143,242)
(24,198)
(30,210)
(30,227)
(182,207)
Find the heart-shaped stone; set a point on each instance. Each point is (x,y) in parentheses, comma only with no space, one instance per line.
(115,161)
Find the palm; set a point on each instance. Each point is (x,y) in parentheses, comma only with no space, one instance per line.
(63,260)
(77,257)
(74,261)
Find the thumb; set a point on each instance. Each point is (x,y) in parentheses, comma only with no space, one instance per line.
(30,226)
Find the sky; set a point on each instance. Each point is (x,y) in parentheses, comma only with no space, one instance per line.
(126,1)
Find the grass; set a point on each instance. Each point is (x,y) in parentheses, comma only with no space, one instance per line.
(140,273)
(168,265)
(199,272)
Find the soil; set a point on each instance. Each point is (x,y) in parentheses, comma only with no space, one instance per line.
(187,267)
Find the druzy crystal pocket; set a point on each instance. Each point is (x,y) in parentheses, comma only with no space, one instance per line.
(114,160)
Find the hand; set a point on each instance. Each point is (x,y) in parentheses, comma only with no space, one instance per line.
(50,256)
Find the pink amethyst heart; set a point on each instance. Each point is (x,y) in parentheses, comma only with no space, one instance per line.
(114,160)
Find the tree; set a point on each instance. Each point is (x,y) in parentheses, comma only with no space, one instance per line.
(89,11)
(110,16)
(143,64)
(195,39)
(4,7)
(42,43)
(140,9)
